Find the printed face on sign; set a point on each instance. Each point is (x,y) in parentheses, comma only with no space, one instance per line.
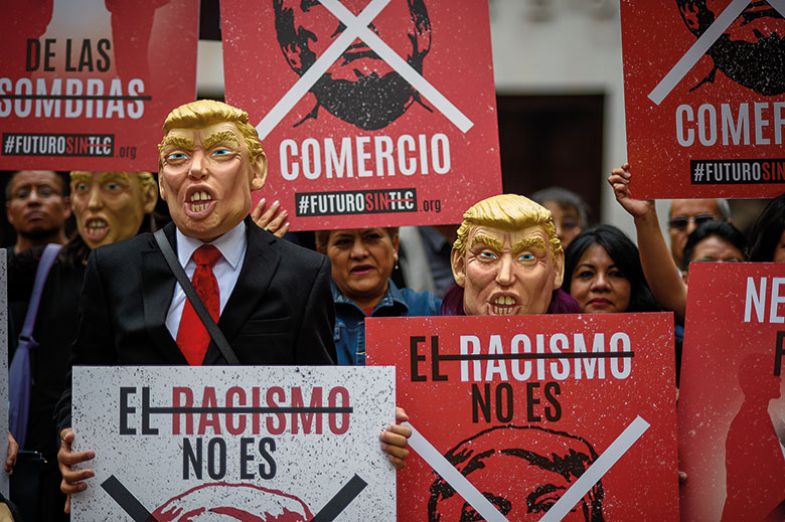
(110,206)
(233,502)
(508,272)
(207,178)
(541,465)
(360,87)
(750,49)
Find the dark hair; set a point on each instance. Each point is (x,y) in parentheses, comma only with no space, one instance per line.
(323,236)
(720,229)
(767,230)
(62,177)
(625,256)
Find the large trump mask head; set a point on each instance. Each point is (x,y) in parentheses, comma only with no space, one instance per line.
(210,161)
(507,257)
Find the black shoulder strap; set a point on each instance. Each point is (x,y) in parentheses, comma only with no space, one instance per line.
(185,284)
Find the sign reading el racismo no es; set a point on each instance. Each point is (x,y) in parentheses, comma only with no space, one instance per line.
(540,417)
(378,109)
(86,84)
(704,89)
(245,443)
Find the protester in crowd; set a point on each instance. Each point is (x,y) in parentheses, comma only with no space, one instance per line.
(602,271)
(685,215)
(507,260)
(37,207)
(768,233)
(210,162)
(569,211)
(362,261)
(663,275)
(714,240)
(109,207)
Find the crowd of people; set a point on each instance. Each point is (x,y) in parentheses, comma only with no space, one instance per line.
(109,297)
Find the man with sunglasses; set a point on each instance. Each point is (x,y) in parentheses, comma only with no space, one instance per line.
(685,215)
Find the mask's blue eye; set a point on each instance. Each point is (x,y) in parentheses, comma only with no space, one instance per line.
(221,151)
(526,257)
(176,156)
(487,255)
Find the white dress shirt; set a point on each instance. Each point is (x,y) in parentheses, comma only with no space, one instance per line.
(232,246)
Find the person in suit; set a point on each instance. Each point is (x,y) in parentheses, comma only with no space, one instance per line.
(271,299)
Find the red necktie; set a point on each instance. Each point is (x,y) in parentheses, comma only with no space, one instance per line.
(192,336)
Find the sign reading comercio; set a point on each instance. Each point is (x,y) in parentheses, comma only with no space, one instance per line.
(381,111)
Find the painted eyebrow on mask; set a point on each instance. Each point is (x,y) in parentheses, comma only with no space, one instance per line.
(78,177)
(121,177)
(488,241)
(178,142)
(529,243)
(225,137)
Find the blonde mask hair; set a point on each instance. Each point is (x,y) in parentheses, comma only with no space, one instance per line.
(507,212)
(203,113)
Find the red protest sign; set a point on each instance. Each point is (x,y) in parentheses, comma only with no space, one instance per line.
(536,417)
(376,112)
(705,97)
(731,405)
(86,84)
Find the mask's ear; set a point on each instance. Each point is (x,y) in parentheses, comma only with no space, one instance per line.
(161,189)
(149,197)
(259,172)
(67,207)
(558,273)
(690,13)
(458,262)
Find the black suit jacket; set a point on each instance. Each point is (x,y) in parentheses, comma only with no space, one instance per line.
(280,311)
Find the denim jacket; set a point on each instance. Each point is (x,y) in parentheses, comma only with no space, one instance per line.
(349,331)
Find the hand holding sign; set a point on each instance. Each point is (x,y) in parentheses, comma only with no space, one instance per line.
(619,181)
(73,479)
(394,439)
(13,451)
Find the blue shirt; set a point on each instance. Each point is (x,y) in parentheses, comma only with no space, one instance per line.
(349,331)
